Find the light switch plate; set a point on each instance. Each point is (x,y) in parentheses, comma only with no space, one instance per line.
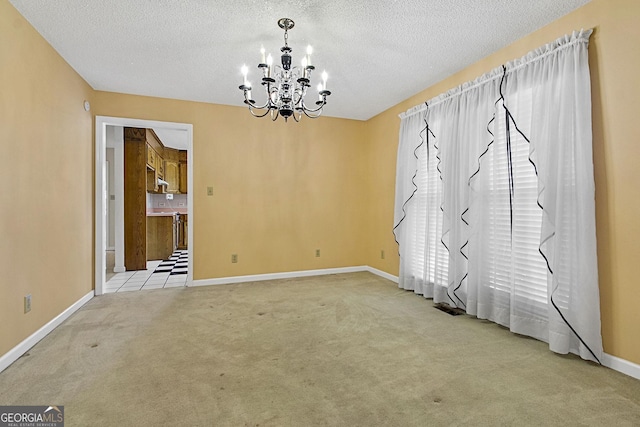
(27,303)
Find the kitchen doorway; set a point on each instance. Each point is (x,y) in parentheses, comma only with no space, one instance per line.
(108,130)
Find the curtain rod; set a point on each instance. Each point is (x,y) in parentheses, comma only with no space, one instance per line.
(496,73)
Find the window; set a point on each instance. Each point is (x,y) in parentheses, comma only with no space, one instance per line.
(489,217)
(516,268)
(430,263)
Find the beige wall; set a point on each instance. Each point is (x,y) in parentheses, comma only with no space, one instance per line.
(615,61)
(46,174)
(281,190)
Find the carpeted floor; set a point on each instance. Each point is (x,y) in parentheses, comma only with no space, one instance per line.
(339,350)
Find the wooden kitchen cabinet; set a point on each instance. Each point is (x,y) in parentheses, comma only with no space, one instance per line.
(183,234)
(155,169)
(159,237)
(183,172)
(152,181)
(175,173)
(155,160)
(172,176)
(151,157)
(183,177)
(135,201)
(151,161)
(160,166)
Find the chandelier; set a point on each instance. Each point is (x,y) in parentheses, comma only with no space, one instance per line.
(286,86)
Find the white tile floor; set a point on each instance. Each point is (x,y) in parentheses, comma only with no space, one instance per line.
(144,279)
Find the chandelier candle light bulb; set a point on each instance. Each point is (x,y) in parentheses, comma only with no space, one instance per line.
(246,86)
(285,85)
(309,52)
(245,71)
(269,65)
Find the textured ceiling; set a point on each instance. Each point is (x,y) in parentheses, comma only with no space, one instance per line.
(377,53)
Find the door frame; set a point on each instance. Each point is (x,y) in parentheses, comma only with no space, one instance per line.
(101,196)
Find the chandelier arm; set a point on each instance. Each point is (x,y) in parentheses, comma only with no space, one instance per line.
(268,105)
(311,113)
(252,106)
(259,115)
(313,110)
(312,116)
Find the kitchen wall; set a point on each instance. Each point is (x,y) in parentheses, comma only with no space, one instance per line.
(160,201)
(614,63)
(46,221)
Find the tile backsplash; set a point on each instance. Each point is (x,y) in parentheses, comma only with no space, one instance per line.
(159,201)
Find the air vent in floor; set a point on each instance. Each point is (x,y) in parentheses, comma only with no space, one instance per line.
(454,311)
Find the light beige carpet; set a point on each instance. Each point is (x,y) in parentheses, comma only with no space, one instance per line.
(339,350)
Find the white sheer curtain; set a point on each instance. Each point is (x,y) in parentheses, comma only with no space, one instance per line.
(495,204)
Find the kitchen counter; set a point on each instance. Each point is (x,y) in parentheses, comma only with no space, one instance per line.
(161,213)
(166,211)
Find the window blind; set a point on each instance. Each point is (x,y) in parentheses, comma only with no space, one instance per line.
(517,269)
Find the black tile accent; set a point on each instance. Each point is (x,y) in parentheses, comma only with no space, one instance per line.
(176,264)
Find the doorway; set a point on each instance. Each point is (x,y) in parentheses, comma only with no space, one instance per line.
(106,127)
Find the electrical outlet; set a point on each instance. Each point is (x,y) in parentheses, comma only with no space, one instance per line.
(161,204)
(234,258)
(317,253)
(27,303)
(209,191)
(382,254)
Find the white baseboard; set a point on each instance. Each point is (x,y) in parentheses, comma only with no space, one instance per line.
(382,274)
(612,362)
(291,275)
(621,365)
(275,276)
(15,353)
